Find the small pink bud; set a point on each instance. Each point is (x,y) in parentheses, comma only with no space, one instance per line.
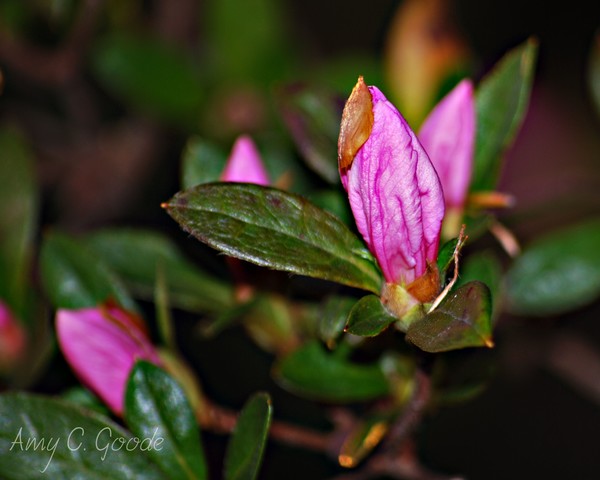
(245,164)
(393,189)
(102,345)
(12,339)
(448,136)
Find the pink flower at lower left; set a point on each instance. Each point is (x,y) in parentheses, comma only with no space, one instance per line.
(101,345)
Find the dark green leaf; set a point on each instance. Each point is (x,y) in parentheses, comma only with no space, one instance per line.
(557,273)
(462,320)
(485,267)
(446,256)
(246,446)
(83,397)
(369,317)
(313,118)
(74,277)
(202,162)
(275,229)
(311,372)
(334,201)
(501,102)
(332,317)
(78,444)
(135,255)
(151,76)
(18,212)
(155,405)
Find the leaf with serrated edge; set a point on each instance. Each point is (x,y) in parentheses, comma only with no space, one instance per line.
(275,229)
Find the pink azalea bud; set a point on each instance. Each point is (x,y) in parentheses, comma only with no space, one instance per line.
(393,189)
(448,136)
(12,339)
(245,164)
(102,345)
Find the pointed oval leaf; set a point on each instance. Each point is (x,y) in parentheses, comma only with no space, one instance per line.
(202,162)
(135,254)
(246,446)
(74,277)
(42,438)
(462,320)
(332,316)
(156,406)
(501,103)
(311,372)
(557,273)
(446,256)
(275,229)
(369,317)
(18,212)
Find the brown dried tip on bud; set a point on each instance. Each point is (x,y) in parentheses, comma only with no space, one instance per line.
(357,123)
(427,286)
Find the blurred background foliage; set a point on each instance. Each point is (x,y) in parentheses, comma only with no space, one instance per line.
(105,104)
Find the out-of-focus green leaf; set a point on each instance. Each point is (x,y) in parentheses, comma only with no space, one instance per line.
(275,229)
(77,443)
(594,71)
(462,320)
(270,324)
(333,315)
(334,201)
(246,446)
(202,162)
(557,273)
(73,277)
(501,102)
(150,76)
(365,435)
(135,254)
(18,215)
(369,317)
(156,407)
(311,372)
(485,267)
(246,40)
(341,73)
(313,117)
(84,398)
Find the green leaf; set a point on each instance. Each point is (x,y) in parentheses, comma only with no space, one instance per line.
(311,372)
(77,443)
(151,76)
(558,273)
(485,267)
(74,277)
(462,320)
(156,406)
(135,255)
(275,229)
(246,446)
(18,214)
(202,162)
(313,117)
(501,102)
(84,398)
(446,256)
(369,317)
(334,201)
(593,73)
(332,317)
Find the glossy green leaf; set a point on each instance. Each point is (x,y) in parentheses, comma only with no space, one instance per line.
(18,215)
(462,320)
(485,267)
(73,277)
(446,256)
(135,255)
(275,229)
(246,446)
(501,103)
(202,162)
(332,317)
(369,317)
(71,443)
(313,117)
(313,373)
(557,273)
(156,406)
(150,76)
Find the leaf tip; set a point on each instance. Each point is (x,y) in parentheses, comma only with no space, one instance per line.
(489,343)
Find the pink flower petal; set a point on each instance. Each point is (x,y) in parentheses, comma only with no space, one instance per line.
(395,195)
(102,346)
(245,164)
(448,136)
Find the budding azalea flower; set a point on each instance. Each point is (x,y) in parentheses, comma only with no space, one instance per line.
(102,345)
(394,192)
(245,164)
(448,136)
